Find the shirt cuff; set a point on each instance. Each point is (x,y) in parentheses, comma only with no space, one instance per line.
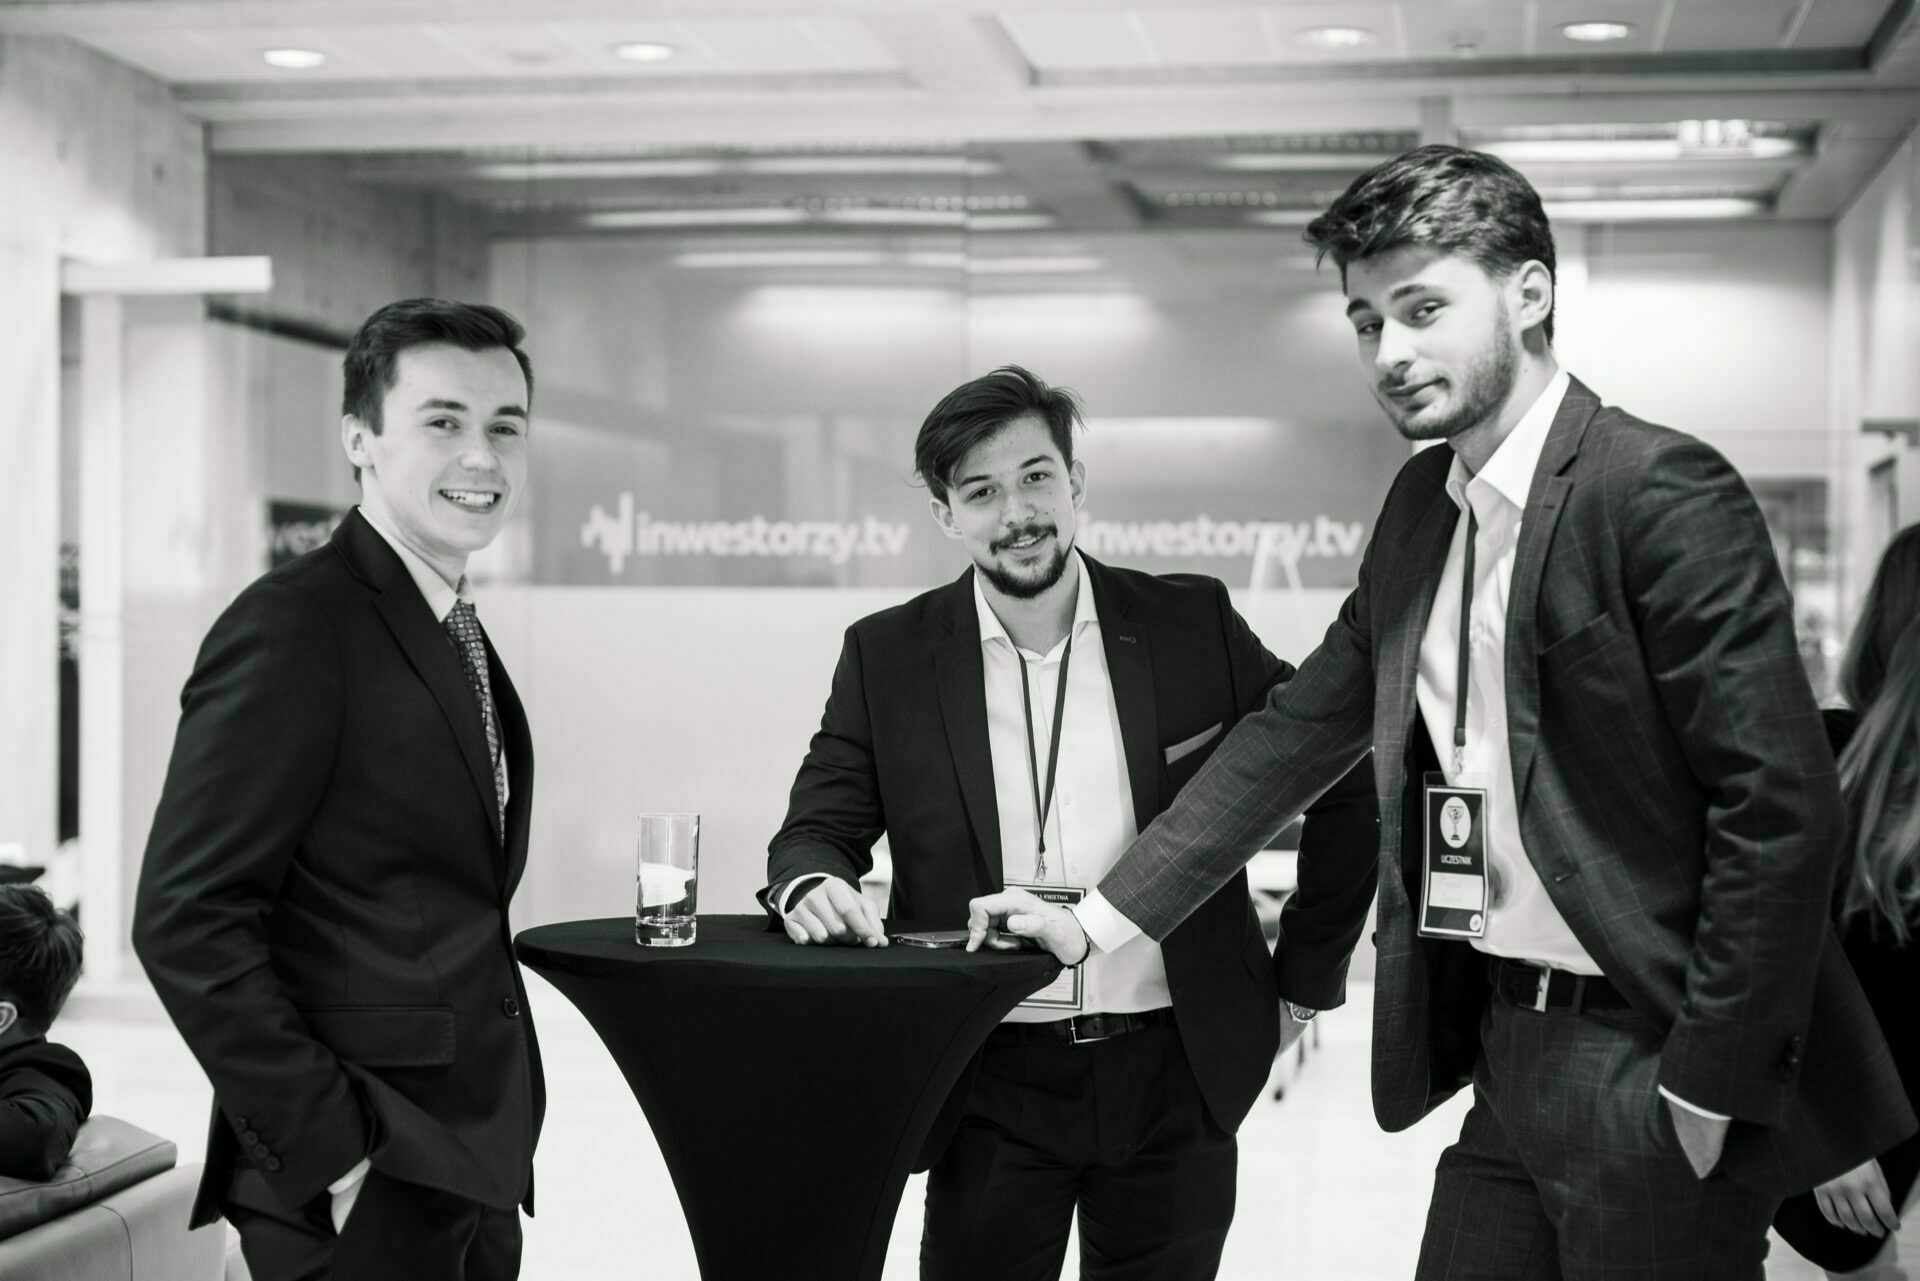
(350,1178)
(1106,929)
(1677,1101)
(787,895)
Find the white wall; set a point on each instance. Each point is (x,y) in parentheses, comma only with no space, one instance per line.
(100,167)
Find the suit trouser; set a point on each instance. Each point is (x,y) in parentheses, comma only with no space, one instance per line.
(1116,1128)
(1568,1168)
(395,1232)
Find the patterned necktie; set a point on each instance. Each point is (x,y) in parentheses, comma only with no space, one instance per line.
(463,627)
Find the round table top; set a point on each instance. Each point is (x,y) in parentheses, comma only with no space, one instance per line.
(740,948)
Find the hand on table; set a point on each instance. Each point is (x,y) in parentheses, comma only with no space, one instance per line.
(1859,1201)
(835,912)
(1021,915)
(1701,1137)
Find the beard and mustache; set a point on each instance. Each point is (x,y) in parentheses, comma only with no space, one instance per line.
(1025,586)
(1478,394)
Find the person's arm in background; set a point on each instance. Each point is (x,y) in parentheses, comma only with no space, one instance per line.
(42,1105)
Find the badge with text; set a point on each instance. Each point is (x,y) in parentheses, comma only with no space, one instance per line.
(1453,888)
(1067,991)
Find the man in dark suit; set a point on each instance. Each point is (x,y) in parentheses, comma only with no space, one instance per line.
(1017,726)
(323,905)
(1608,827)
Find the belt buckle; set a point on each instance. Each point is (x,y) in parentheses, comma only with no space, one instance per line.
(1540,997)
(1073,1034)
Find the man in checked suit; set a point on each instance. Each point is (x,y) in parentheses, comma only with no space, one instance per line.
(323,905)
(1627,954)
(1118,1092)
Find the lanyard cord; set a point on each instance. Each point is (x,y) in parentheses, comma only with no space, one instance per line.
(1466,637)
(1041,804)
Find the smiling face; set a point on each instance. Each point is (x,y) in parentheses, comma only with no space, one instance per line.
(1014,501)
(451,455)
(1438,337)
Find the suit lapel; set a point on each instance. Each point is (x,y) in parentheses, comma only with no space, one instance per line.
(961,677)
(1405,605)
(426,645)
(1546,500)
(1130,670)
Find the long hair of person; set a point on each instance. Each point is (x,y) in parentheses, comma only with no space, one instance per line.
(1880,777)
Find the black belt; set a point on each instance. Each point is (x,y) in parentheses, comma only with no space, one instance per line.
(1082,1028)
(1537,987)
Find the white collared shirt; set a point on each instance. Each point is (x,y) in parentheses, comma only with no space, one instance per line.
(1522,920)
(1091,821)
(441,596)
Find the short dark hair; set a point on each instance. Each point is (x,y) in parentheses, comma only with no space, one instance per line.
(40,953)
(975,412)
(1452,199)
(421,322)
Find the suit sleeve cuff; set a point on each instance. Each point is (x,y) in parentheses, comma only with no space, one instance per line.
(1106,928)
(350,1178)
(793,891)
(1677,1101)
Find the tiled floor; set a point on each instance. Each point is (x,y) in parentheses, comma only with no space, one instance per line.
(1324,1195)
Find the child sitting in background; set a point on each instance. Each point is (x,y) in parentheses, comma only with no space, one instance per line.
(45,1091)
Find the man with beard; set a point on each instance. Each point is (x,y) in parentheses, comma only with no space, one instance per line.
(1609,814)
(1016,727)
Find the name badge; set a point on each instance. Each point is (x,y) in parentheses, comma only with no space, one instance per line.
(1068,991)
(1453,887)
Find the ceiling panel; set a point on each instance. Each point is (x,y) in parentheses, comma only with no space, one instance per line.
(1440,29)
(1208,37)
(1081,41)
(1757,24)
(725,46)
(1835,24)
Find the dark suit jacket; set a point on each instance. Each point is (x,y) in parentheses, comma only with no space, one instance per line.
(1676,792)
(45,1095)
(903,748)
(323,905)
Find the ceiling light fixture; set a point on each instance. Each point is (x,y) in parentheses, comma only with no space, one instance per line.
(1335,37)
(1596,32)
(294,59)
(643,51)
(1576,151)
(1689,210)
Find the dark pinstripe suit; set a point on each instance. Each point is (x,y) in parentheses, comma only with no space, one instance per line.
(1676,793)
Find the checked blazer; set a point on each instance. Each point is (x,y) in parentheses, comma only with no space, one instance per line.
(1676,792)
(903,749)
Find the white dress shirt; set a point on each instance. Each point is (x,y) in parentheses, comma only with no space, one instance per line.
(1521,921)
(1091,821)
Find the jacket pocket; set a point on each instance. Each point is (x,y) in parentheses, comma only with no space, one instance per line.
(1188,746)
(385,1035)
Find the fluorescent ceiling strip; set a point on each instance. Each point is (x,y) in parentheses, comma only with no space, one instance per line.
(1634,150)
(621,218)
(1036,266)
(1654,210)
(712,166)
(1297,162)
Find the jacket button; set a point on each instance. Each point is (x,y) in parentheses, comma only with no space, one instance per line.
(240,1121)
(510,1007)
(272,1164)
(249,1138)
(261,1151)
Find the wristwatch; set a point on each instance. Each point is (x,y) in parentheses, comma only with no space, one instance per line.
(1301,1014)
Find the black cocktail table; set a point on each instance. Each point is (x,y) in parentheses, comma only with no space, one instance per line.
(791,1089)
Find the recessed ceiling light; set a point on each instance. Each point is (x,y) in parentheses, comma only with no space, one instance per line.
(643,51)
(1597,32)
(294,59)
(1335,37)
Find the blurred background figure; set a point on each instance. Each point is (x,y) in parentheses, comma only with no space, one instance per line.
(1864,1224)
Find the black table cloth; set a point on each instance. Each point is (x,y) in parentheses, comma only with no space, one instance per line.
(791,1089)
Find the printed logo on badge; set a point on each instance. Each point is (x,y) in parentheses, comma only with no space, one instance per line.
(1453,887)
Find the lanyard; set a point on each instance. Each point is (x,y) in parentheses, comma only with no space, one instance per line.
(1041,804)
(1466,638)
